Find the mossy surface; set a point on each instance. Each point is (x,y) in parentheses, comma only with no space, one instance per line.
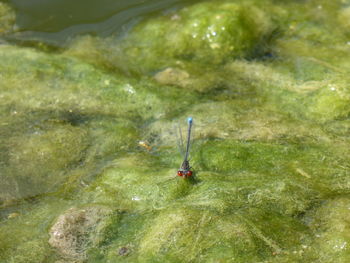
(88,145)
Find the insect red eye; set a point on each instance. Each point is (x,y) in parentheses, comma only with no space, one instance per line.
(188,173)
(179,173)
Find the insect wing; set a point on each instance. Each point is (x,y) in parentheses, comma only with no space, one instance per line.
(179,139)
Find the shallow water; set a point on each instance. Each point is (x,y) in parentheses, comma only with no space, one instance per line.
(88,150)
(54,21)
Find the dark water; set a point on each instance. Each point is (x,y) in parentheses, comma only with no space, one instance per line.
(56,21)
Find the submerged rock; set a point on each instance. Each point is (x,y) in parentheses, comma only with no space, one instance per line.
(75,231)
(173,76)
(206,32)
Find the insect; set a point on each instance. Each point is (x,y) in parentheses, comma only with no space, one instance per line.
(185,168)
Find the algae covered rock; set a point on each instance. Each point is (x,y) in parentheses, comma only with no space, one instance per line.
(207,32)
(75,231)
(173,76)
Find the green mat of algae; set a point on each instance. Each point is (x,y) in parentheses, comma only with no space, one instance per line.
(267,85)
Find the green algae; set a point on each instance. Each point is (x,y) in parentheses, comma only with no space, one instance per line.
(207,32)
(332,235)
(36,158)
(270,152)
(7,18)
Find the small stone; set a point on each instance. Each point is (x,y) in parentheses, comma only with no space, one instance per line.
(172,76)
(74,231)
(124,251)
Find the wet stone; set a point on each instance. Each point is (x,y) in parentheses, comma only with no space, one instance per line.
(123,251)
(172,76)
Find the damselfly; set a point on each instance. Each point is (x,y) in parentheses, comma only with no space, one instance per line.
(185,168)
